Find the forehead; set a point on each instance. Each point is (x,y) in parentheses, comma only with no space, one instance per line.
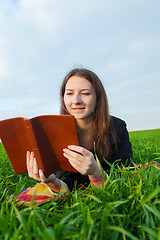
(77,82)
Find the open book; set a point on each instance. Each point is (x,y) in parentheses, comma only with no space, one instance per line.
(45,135)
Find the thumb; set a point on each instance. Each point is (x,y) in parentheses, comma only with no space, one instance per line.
(42,176)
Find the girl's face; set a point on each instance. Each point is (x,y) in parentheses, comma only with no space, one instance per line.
(80,98)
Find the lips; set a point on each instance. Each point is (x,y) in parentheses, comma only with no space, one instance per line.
(78,109)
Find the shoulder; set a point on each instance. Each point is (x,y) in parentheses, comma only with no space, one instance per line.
(117,122)
(120,128)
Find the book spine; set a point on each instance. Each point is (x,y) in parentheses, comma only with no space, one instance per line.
(34,145)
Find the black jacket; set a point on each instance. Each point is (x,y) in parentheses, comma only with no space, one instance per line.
(123,153)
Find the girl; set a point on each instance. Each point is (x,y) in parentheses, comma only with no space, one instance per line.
(84,97)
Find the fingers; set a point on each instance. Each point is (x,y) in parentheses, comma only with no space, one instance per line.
(73,158)
(78,154)
(71,155)
(32,167)
(80,150)
(80,158)
(35,167)
(30,158)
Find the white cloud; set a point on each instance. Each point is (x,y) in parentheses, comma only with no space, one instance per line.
(40,40)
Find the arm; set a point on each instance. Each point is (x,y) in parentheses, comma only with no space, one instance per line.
(124,147)
(83,161)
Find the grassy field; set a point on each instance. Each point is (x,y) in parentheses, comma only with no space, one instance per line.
(126,207)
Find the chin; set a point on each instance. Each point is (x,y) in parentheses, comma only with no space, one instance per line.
(84,117)
(78,117)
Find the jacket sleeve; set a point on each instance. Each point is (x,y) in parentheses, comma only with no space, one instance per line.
(124,147)
(72,178)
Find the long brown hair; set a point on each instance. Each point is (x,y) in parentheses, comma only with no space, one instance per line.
(102,129)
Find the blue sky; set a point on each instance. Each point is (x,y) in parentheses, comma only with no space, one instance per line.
(41,40)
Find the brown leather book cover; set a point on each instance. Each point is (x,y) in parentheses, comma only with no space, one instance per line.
(45,135)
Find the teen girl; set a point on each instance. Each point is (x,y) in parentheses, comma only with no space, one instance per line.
(84,97)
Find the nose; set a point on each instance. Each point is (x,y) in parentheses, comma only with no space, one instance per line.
(76,99)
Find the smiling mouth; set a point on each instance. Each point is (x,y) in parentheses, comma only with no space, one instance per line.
(78,108)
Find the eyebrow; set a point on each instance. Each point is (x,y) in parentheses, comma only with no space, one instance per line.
(85,89)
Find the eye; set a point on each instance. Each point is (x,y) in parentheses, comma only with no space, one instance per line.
(86,93)
(69,93)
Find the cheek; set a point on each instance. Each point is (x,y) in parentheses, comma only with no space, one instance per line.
(66,101)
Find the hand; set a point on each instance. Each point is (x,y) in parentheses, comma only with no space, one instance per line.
(82,160)
(32,168)
(37,174)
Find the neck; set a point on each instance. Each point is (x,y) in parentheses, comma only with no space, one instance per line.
(84,134)
(83,125)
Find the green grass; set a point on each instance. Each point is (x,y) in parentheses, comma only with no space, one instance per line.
(125,207)
(146,145)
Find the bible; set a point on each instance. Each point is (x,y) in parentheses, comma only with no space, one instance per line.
(45,135)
